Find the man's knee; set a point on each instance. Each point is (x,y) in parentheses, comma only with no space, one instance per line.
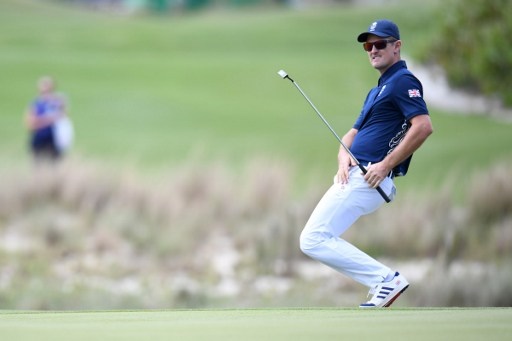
(310,242)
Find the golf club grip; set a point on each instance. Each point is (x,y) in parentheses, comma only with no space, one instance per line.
(381,192)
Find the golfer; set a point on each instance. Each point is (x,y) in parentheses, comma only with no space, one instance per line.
(392,125)
(41,118)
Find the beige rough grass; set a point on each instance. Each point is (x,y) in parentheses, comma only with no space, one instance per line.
(78,235)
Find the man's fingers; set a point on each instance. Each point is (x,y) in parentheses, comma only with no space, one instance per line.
(342,177)
(376,183)
(372,177)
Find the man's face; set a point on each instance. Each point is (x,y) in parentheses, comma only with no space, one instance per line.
(382,59)
(45,85)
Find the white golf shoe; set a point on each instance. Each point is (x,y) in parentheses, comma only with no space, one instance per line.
(385,293)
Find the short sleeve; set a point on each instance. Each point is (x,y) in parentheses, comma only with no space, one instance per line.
(408,96)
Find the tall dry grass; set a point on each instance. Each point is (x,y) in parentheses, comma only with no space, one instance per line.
(77,235)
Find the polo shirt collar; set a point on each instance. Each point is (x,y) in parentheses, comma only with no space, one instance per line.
(389,72)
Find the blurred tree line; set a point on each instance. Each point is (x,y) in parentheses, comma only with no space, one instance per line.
(163,5)
(473,46)
(190,5)
(171,5)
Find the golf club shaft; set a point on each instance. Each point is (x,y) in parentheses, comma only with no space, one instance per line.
(361,167)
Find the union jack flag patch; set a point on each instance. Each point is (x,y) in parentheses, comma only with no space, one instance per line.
(414,93)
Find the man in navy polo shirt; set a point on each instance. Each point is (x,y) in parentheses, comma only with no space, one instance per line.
(393,124)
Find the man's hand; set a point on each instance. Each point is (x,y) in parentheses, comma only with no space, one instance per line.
(344,164)
(344,159)
(376,173)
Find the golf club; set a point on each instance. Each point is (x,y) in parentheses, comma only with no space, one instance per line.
(284,75)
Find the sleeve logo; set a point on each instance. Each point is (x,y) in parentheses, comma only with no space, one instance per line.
(414,93)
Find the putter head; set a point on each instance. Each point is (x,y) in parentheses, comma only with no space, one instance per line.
(282,73)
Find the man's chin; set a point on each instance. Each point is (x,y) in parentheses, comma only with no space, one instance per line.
(376,66)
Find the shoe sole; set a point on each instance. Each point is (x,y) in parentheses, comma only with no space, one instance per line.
(390,302)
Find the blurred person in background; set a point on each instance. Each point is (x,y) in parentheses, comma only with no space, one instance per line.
(48,123)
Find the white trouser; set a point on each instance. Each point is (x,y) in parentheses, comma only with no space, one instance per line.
(339,208)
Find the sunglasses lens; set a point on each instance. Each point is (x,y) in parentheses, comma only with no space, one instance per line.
(379,45)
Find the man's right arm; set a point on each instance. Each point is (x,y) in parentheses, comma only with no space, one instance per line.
(344,159)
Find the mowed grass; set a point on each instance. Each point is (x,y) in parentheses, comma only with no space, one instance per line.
(156,91)
(274,324)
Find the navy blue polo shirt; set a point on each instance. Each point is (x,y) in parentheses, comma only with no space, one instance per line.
(383,121)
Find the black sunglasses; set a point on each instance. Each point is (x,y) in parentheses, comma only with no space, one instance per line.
(379,44)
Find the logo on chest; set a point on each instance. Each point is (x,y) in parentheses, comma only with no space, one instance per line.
(382,90)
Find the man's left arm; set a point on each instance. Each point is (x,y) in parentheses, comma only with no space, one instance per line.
(419,131)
